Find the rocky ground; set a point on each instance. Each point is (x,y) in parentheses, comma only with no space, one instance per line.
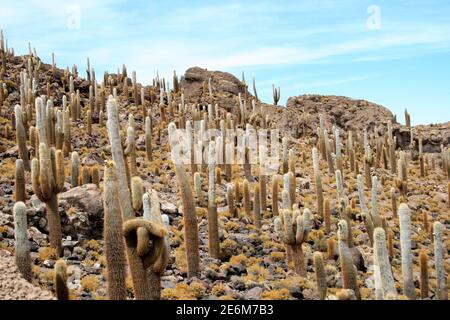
(253,265)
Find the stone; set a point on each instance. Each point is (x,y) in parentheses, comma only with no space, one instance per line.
(254,293)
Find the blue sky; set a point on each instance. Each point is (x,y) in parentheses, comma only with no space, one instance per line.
(395,53)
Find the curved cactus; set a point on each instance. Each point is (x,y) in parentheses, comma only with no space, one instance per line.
(141,289)
(293,229)
(404,214)
(22,245)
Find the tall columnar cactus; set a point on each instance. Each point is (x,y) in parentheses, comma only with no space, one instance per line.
(326,215)
(448,194)
(394,202)
(246,198)
(439,251)
(198,189)
(190,218)
(213,223)
(257,207)
(348,269)
(329,152)
(263,192)
(367,217)
(141,289)
(95,175)
(231,201)
(19,182)
(293,229)
(275,185)
(317,176)
(384,280)
(376,218)
(85,175)
(74,169)
(22,245)
(48,178)
(67,144)
(423,264)
(21,138)
(404,214)
(137,191)
(60,280)
(321,277)
(114,242)
(130,146)
(148,137)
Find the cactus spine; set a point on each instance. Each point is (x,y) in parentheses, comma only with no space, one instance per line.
(60,280)
(404,214)
(384,279)
(22,245)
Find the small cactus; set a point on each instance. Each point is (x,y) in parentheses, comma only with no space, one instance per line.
(231,202)
(60,281)
(321,278)
(22,245)
(74,169)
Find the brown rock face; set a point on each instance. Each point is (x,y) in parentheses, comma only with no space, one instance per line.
(344,112)
(433,136)
(225,85)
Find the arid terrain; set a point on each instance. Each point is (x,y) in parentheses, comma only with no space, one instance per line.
(325,239)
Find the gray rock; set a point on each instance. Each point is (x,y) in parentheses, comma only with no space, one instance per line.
(254,293)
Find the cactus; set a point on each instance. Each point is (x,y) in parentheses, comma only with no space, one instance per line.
(331,169)
(293,229)
(85,175)
(331,243)
(22,245)
(19,181)
(137,191)
(213,224)
(404,214)
(448,194)
(384,280)
(441,286)
(74,169)
(231,201)
(348,269)
(321,278)
(148,137)
(319,190)
(376,218)
(47,183)
(276,95)
(141,289)
(257,208)
(246,198)
(60,281)
(198,189)
(190,218)
(21,138)
(114,242)
(95,175)
(367,217)
(394,202)
(89,122)
(275,184)
(326,215)
(130,146)
(423,264)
